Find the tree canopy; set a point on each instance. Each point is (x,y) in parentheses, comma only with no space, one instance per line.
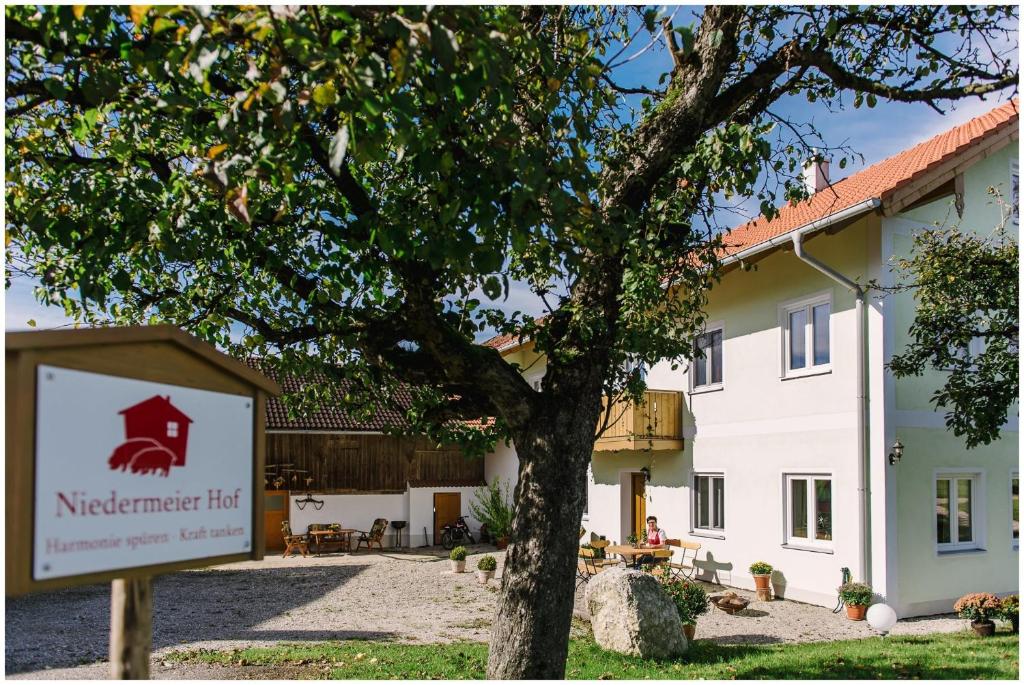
(359,187)
(966,325)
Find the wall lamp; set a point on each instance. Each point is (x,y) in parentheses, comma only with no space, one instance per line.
(897,452)
(647,474)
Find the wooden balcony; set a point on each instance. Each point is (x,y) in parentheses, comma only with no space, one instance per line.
(656,424)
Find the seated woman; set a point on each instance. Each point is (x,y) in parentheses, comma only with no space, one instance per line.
(656,539)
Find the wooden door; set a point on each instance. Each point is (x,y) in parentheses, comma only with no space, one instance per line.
(639,506)
(447,508)
(275,512)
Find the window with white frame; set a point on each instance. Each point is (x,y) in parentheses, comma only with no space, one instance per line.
(957,498)
(806,335)
(172,429)
(709,502)
(1015,509)
(707,359)
(809,509)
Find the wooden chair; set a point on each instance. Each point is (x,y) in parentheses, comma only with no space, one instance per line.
(685,567)
(603,562)
(293,543)
(585,567)
(373,536)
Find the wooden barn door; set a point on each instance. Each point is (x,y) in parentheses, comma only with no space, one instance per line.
(639,506)
(447,508)
(275,512)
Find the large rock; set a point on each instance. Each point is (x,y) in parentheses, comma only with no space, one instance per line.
(631,614)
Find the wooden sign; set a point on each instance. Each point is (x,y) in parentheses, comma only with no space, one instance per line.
(130,452)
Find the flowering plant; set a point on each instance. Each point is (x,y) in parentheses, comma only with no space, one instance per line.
(856,594)
(978,606)
(691,599)
(1009,608)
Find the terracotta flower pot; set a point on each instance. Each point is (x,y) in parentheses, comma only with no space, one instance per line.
(856,612)
(689,630)
(501,543)
(458,566)
(984,628)
(762,583)
(483,576)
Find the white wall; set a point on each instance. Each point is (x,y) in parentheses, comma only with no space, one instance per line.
(421,514)
(502,463)
(351,511)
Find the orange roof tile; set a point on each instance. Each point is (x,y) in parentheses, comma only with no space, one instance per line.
(879,180)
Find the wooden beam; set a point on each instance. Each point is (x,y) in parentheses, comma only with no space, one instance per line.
(131,628)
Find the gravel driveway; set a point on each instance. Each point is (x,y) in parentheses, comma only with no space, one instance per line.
(407,597)
(410,597)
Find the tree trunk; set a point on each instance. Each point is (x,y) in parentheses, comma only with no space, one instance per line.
(530,638)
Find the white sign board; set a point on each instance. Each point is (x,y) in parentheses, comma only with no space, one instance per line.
(131,473)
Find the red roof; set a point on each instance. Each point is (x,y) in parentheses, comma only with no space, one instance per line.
(879,180)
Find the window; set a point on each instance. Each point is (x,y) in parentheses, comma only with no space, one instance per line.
(709,502)
(956,511)
(707,359)
(806,336)
(172,429)
(809,510)
(1015,509)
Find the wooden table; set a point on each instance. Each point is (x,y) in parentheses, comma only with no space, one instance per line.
(630,551)
(344,544)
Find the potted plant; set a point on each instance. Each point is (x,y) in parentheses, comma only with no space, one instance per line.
(691,602)
(857,598)
(980,608)
(485,568)
(632,540)
(458,558)
(493,508)
(762,572)
(1009,610)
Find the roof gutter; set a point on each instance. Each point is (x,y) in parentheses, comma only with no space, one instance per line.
(863,470)
(806,229)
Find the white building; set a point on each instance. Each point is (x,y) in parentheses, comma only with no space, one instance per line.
(783,453)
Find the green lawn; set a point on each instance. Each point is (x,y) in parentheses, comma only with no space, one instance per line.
(959,656)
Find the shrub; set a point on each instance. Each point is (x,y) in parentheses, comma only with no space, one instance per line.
(487,563)
(761,568)
(978,606)
(458,554)
(493,509)
(856,594)
(1009,608)
(632,540)
(691,599)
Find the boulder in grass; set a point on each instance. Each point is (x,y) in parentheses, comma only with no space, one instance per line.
(631,614)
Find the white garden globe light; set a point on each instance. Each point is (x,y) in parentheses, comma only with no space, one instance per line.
(881,617)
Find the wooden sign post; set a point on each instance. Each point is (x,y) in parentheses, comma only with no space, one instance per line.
(130,452)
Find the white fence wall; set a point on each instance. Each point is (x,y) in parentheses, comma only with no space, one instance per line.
(351,511)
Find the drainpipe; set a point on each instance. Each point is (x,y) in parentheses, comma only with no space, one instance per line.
(863,503)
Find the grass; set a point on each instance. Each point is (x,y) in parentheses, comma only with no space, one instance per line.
(938,656)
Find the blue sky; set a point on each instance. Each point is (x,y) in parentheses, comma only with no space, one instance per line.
(874,133)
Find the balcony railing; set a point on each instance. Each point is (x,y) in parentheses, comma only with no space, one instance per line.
(654,424)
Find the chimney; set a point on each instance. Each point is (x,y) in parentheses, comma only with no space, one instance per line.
(815,173)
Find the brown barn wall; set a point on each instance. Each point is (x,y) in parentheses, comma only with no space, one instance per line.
(366,463)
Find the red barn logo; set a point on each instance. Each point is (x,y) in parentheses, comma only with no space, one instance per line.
(156,437)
